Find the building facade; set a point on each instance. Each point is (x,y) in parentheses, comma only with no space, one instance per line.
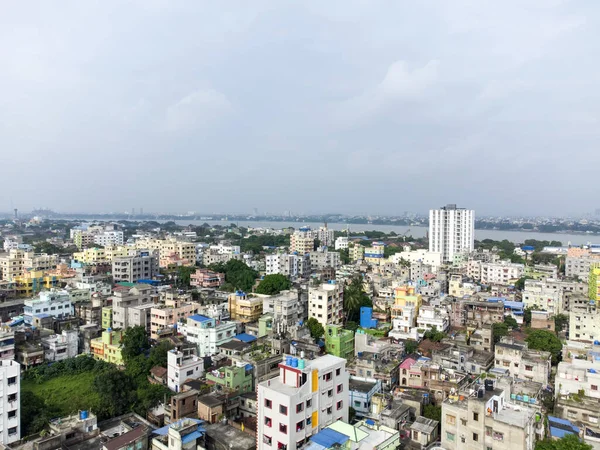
(326,303)
(451,231)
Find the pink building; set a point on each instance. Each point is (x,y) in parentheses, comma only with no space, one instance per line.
(204,278)
(174,308)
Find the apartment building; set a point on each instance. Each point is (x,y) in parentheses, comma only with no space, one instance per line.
(174,309)
(584,323)
(579,266)
(291,265)
(183,366)
(7,343)
(339,342)
(245,308)
(207,333)
(204,278)
(375,253)
(286,308)
(17,262)
(169,250)
(432,317)
(326,303)
(356,252)
(451,231)
(578,375)
(521,362)
(457,287)
(305,398)
(107,347)
(91,256)
(302,241)
(433,259)
(480,416)
(323,259)
(124,298)
(341,243)
(503,272)
(61,346)
(109,238)
(56,303)
(10,400)
(594,284)
(325,236)
(138,265)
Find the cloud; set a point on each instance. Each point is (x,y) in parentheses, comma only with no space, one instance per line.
(198,109)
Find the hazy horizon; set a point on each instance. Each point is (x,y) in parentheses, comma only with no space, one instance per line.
(375,107)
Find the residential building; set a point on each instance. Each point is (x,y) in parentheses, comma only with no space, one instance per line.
(207,333)
(235,378)
(170,250)
(594,284)
(7,343)
(339,341)
(286,308)
(502,272)
(306,397)
(542,320)
(433,259)
(109,238)
(371,367)
(488,419)
(365,434)
(466,358)
(61,346)
(245,308)
(541,296)
(182,405)
(141,316)
(583,323)
(124,298)
(579,377)
(139,265)
(405,310)
(361,393)
(302,241)
(186,434)
(17,262)
(183,365)
(56,303)
(457,287)
(341,243)
(521,362)
(323,259)
(424,431)
(10,400)
(107,317)
(204,278)
(357,252)
(211,407)
(579,267)
(451,231)
(432,317)
(91,256)
(108,346)
(291,265)
(326,303)
(174,308)
(12,243)
(375,253)
(325,236)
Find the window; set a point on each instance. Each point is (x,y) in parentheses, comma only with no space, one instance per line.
(594,387)
(593,419)
(338,372)
(309,403)
(529,368)
(309,421)
(300,426)
(475,437)
(268,421)
(12,431)
(488,431)
(340,388)
(339,405)
(327,377)
(462,439)
(329,410)
(283,428)
(267,439)
(463,422)
(299,407)
(190,372)
(450,420)
(283,410)
(498,436)
(12,380)
(268,403)
(450,436)
(476,416)
(12,414)
(330,393)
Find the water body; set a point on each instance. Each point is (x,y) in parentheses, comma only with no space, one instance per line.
(517,237)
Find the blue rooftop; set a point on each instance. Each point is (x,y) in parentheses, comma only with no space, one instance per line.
(165,430)
(199,318)
(328,438)
(245,337)
(513,305)
(560,428)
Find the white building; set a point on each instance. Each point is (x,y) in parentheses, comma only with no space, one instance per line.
(323,258)
(502,272)
(326,303)
(302,241)
(451,231)
(341,243)
(183,366)
(285,308)
(61,346)
(325,236)
(577,375)
(109,238)
(290,265)
(433,259)
(56,303)
(430,316)
(10,399)
(207,333)
(12,243)
(305,398)
(7,343)
(225,249)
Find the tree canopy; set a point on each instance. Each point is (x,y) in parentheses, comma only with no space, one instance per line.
(355,297)
(434,335)
(316,329)
(511,322)
(545,340)
(273,284)
(499,330)
(237,274)
(569,442)
(135,343)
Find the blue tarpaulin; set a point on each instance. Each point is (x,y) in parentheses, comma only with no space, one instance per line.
(191,437)
(165,430)
(245,337)
(328,438)
(560,428)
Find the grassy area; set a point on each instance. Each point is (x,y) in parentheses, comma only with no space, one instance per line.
(67,393)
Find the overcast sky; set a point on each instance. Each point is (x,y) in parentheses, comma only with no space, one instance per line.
(337,106)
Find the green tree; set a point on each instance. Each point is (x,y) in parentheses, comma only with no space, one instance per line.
(344,255)
(545,340)
(410,346)
(434,335)
(511,322)
(351,325)
(351,414)
(569,442)
(560,322)
(520,283)
(183,275)
(433,412)
(499,330)
(316,329)
(135,343)
(237,274)
(355,297)
(273,284)
(116,391)
(527,316)
(158,354)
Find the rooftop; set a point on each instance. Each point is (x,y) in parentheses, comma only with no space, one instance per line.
(424,425)
(360,386)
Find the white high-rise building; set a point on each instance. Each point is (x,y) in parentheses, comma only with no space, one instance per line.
(451,231)
(10,417)
(326,303)
(306,397)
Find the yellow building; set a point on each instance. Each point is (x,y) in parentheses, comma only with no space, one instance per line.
(170,250)
(16,262)
(243,308)
(375,254)
(356,252)
(594,284)
(116,251)
(91,256)
(405,296)
(30,283)
(108,347)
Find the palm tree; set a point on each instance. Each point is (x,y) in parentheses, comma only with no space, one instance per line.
(355,297)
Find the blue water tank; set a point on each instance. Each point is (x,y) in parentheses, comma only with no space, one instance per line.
(288,360)
(294,362)
(83,415)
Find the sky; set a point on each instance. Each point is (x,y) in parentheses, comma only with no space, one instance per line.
(350,106)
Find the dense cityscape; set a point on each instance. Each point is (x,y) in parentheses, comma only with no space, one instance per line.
(123,334)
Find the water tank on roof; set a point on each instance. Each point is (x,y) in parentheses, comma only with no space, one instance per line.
(301,364)
(83,415)
(294,362)
(288,361)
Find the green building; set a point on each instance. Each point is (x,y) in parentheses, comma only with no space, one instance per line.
(339,342)
(233,378)
(265,325)
(107,317)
